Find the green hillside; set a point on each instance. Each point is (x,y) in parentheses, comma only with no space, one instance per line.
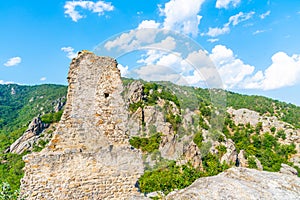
(19,104)
(191,97)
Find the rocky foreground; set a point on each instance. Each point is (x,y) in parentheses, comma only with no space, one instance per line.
(242,183)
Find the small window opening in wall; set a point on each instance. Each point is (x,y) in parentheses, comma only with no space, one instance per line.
(106,95)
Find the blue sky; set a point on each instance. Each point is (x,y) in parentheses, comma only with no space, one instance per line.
(254,44)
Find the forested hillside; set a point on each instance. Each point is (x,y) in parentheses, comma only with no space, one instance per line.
(18,106)
(187,111)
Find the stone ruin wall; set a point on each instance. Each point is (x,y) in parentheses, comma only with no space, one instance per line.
(89,156)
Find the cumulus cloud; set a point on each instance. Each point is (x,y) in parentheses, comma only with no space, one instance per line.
(233,20)
(231,69)
(70,52)
(144,36)
(264,15)
(148,24)
(194,69)
(132,40)
(182,15)
(124,70)
(178,15)
(98,7)
(43,78)
(226,3)
(284,71)
(13,62)
(169,44)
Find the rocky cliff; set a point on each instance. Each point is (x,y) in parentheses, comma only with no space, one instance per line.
(89,156)
(29,138)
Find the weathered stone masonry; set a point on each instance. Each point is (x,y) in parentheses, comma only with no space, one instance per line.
(89,156)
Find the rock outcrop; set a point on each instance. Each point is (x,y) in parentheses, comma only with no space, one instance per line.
(29,138)
(292,135)
(286,169)
(89,156)
(242,183)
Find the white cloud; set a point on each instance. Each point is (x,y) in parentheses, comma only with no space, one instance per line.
(226,3)
(212,40)
(132,40)
(148,24)
(96,7)
(6,82)
(123,70)
(150,57)
(142,37)
(169,43)
(125,41)
(231,69)
(157,73)
(240,17)
(175,68)
(182,16)
(43,78)
(13,62)
(70,52)
(158,65)
(258,32)
(264,15)
(284,71)
(233,20)
(213,32)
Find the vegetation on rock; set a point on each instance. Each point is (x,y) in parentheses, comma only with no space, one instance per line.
(18,108)
(147,144)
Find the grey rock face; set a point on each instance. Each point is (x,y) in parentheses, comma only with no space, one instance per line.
(242,161)
(286,169)
(26,141)
(231,154)
(242,183)
(134,93)
(193,155)
(59,104)
(89,156)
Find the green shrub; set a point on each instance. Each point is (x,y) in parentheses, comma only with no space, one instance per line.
(11,169)
(7,193)
(168,178)
(198,138)
(281,134)
(52,117)
(273,129)
(258,127)
(146,144)
(251,162)
(134,106)
(212,165)
(222,150)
